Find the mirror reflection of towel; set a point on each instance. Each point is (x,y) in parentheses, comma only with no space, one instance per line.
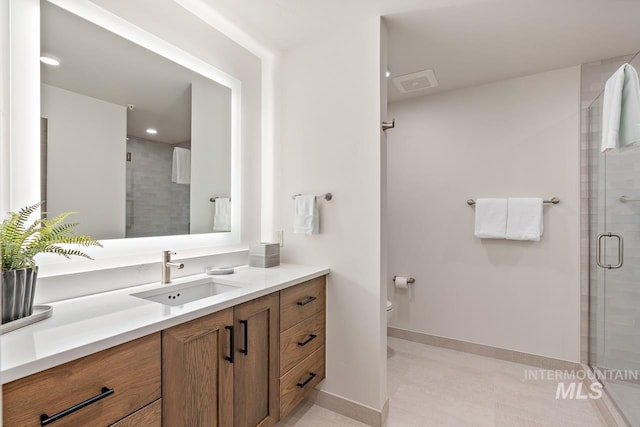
(222,214)
(181,170)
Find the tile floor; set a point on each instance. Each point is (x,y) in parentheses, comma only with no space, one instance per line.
(431,386)
(310,415)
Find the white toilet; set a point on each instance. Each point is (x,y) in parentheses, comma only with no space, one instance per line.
(389,310)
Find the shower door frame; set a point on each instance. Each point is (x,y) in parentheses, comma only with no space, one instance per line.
(596,314)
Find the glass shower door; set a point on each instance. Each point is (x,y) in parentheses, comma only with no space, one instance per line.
(615,270)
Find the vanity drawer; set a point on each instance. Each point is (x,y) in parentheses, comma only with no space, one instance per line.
(300,380)
(149,416)
(301,340)
(301,302)
(131,370)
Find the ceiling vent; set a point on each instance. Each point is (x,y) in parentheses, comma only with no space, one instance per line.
(413,82)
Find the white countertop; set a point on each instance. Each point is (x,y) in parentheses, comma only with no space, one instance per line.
(85,325)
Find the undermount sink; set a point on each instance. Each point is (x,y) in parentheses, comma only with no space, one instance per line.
(185,292)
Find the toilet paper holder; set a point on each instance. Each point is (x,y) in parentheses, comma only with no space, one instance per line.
(410,280)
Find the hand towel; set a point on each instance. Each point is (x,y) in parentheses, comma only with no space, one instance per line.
(181,170)
(524,219)
(306,219)
(621,109)
(491,218)
(222,214)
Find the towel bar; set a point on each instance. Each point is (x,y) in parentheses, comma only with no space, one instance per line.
(554,201)
(213,199)
(625,199)
(410,280)
(326,196)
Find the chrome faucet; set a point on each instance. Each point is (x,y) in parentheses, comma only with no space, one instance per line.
(167,264)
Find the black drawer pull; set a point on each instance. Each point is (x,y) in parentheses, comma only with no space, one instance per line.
(307,301)
(311,376)
(46,419)
(245,350)
(232,344)
(308,340)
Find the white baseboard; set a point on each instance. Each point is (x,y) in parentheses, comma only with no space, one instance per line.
(484,350)
(349,408)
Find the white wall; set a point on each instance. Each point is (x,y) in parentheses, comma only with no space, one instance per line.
(512,138)
(328,140)
(4,119)
(81,127)
(384,212)
(5,172)
(23,99)
(210,150)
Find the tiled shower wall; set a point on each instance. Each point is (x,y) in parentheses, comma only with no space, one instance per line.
(593,78)
(155,205)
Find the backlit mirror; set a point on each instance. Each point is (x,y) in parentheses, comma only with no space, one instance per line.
(135,143)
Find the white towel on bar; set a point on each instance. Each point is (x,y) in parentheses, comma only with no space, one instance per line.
(222,214)
(524,219)
(181,170)
(491,218)
(621,109)
(306,219)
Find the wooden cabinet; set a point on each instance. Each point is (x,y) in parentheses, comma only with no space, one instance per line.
(211,378)
(111,385)
(302,341)
(256,368)
(245,366)
(197,372)
(299,341)
(299,302)
(296,384)
(149,416)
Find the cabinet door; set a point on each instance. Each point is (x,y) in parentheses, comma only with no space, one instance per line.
(197,372)
(256,369)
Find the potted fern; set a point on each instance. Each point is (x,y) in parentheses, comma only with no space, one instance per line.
(20,243)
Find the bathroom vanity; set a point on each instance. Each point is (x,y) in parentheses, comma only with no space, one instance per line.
(245,357)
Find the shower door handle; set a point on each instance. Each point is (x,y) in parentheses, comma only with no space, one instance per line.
(599,251)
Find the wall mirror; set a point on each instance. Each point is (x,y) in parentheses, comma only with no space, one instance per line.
(137,144)
(189,102)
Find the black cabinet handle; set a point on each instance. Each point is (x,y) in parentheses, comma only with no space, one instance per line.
(307,301)
(232,344)
(311,376)
(245,350)
(308,340)
(46,419)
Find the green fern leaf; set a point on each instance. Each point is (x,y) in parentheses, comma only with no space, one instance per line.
(19,244)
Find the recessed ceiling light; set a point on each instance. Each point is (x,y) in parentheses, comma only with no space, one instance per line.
(49,60)
(388,73)
(152,131)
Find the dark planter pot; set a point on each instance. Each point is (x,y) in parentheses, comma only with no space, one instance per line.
(18,290)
